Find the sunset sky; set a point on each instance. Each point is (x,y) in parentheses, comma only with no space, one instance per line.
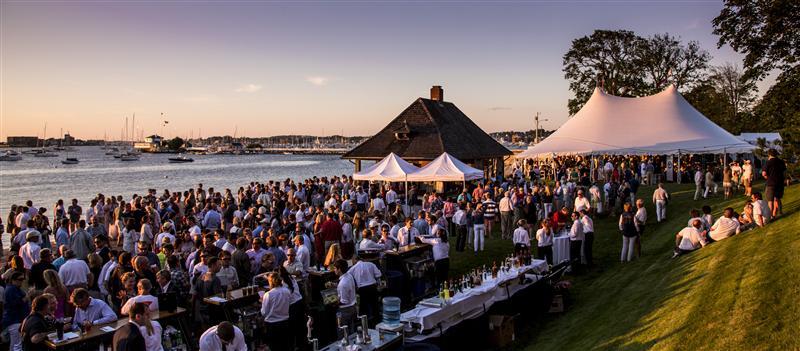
(268,68)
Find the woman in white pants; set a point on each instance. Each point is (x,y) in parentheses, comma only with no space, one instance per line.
(478,229)
(629,234)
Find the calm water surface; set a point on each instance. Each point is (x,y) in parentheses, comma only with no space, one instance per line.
(45,180)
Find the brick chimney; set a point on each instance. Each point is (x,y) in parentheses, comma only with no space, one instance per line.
(437,93)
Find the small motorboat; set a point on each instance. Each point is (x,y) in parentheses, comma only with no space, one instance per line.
(113,151)
(70,161)
(180,159)
(10,155)
(129,157)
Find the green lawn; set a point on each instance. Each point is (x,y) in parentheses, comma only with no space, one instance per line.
(740,293)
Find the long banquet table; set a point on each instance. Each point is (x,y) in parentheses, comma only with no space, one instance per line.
(471,303)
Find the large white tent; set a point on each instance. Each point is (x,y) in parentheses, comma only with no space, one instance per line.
(660,124)
(391,168)
(446,168)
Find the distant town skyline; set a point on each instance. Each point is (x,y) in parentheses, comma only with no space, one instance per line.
(276,68)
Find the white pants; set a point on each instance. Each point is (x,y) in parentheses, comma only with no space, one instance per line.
(548,209)
(479,231)
(628,245)
(698,191)
(709,188)
(661,210)
(15,338)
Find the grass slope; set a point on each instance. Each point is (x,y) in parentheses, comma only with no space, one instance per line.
(740,293)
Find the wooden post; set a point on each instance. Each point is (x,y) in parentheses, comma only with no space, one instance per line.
(358,165)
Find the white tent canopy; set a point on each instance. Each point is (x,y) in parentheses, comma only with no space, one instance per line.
(445,168)
(391,168)
(660,124)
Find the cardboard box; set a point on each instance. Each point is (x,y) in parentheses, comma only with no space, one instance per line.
(557,305)
(501,330)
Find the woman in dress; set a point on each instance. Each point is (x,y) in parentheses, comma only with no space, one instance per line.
(206,285)
(56,288)
(130,237)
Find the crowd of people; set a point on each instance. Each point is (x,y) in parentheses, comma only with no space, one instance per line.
(759,209)
(113,258)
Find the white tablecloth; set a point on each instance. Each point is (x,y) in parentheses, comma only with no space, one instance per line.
(560,249)
(470,303)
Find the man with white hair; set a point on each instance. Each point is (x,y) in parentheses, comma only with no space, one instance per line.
(166,233)
(660,198)
(30,251)
(506,215)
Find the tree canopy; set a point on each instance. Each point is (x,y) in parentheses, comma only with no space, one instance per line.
(629,65)
(766,31)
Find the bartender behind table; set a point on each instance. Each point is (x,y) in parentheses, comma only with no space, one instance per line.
(441,250)
(346,290)
(275,310)
(366,275)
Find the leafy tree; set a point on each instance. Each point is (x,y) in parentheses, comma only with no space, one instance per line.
(665,61)
(711,103)
(779,111)
(175,144)
(766,31)
(629,65)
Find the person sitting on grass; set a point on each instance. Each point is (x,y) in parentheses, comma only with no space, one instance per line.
(725,227)
(689,239)
(746,221)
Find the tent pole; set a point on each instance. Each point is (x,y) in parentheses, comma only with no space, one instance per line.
(591,169)
(407,205)
(679,166)
(724,158)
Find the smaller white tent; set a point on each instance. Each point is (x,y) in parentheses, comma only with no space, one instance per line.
(446,168)
(391,169)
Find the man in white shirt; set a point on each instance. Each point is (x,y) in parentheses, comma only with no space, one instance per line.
(575,241)
(303,255)
(761,212)
(698,183)
(30,251)
(74,273)
(406,234)
(588,236)
(391,199)
(224,336)
(521,239)
(660,198)
(165,234)
(347,294)
(369,244)
(689,239)
(143,286)
(506,215)
(378,204)
(255,255)
(275,310)
(460,223)
(90,311)
(366,275)
(725,227)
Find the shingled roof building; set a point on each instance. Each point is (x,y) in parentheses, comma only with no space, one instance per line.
(425,130)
